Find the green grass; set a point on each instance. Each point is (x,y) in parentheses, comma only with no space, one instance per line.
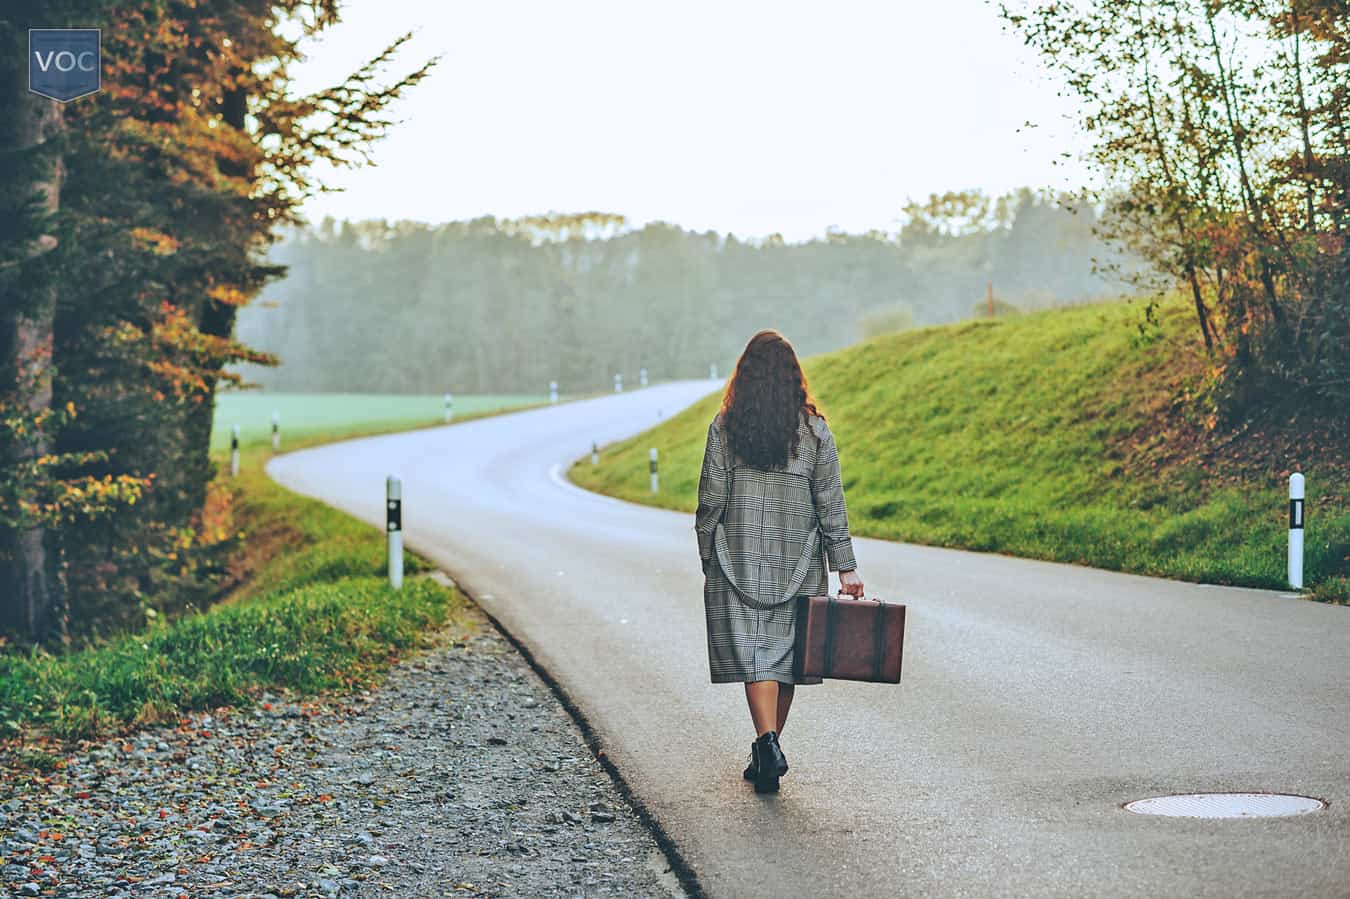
(323,415)
(334,634)
(313,611)
(1013,436)
(316,613)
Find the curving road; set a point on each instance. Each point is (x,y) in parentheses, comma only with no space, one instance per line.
(1036,697)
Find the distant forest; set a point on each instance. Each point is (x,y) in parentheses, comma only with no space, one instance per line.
(508,305)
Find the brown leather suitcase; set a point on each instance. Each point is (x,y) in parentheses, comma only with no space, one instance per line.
(849,639)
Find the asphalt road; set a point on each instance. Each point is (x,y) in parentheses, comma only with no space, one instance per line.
(1036,697)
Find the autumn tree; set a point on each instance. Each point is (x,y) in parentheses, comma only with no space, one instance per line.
(40,494)
(176,176)
(1225,124)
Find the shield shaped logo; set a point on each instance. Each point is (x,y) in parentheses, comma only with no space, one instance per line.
(64,63)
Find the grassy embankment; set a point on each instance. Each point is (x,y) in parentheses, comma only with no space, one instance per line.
(1060,435)
(310,610)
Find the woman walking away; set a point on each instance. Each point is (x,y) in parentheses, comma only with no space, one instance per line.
(769,496)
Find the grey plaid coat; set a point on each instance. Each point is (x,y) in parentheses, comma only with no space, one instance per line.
(760,533)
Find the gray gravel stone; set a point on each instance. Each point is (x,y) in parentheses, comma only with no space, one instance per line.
(458,775)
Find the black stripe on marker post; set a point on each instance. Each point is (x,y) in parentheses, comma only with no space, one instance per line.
(393,525)
(1296,515)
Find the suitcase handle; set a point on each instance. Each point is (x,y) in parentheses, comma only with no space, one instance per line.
(843,595)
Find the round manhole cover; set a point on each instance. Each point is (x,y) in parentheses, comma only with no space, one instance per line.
(1226,805)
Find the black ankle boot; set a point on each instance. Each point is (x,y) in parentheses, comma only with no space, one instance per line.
(768,761)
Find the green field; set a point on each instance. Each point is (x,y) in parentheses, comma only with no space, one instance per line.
(304,415)
(1029,436)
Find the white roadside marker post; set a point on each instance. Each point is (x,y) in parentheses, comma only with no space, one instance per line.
(642,376)
(449,406)
(234,451)
(595,453)
(276,430)
(618,383)
(712,370)
(393,523)
(553,392)
(1296,531)
(653,468)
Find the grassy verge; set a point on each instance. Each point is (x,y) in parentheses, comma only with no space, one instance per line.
(1055,436)
(310,612)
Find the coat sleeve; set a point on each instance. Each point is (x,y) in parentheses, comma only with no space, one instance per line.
(827,489)
(713,485)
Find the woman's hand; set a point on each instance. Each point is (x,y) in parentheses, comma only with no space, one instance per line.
(851,583)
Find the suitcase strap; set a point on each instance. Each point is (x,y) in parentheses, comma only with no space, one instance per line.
(879,645)
(878,640)
(831,617)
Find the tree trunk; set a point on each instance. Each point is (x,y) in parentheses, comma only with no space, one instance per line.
(1250,202)
(1308,163)
(33,600)
(1173,187)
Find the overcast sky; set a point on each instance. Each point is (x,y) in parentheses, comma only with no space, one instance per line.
(740,116)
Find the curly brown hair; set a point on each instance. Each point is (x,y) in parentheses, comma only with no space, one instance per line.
(765,400)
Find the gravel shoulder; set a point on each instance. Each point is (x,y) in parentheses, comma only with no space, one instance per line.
(460,774)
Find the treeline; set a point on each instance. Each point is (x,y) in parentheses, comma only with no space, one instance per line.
(512,304)
(134,224)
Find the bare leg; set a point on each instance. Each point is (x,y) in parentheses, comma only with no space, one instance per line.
(762,696)
(785,694)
